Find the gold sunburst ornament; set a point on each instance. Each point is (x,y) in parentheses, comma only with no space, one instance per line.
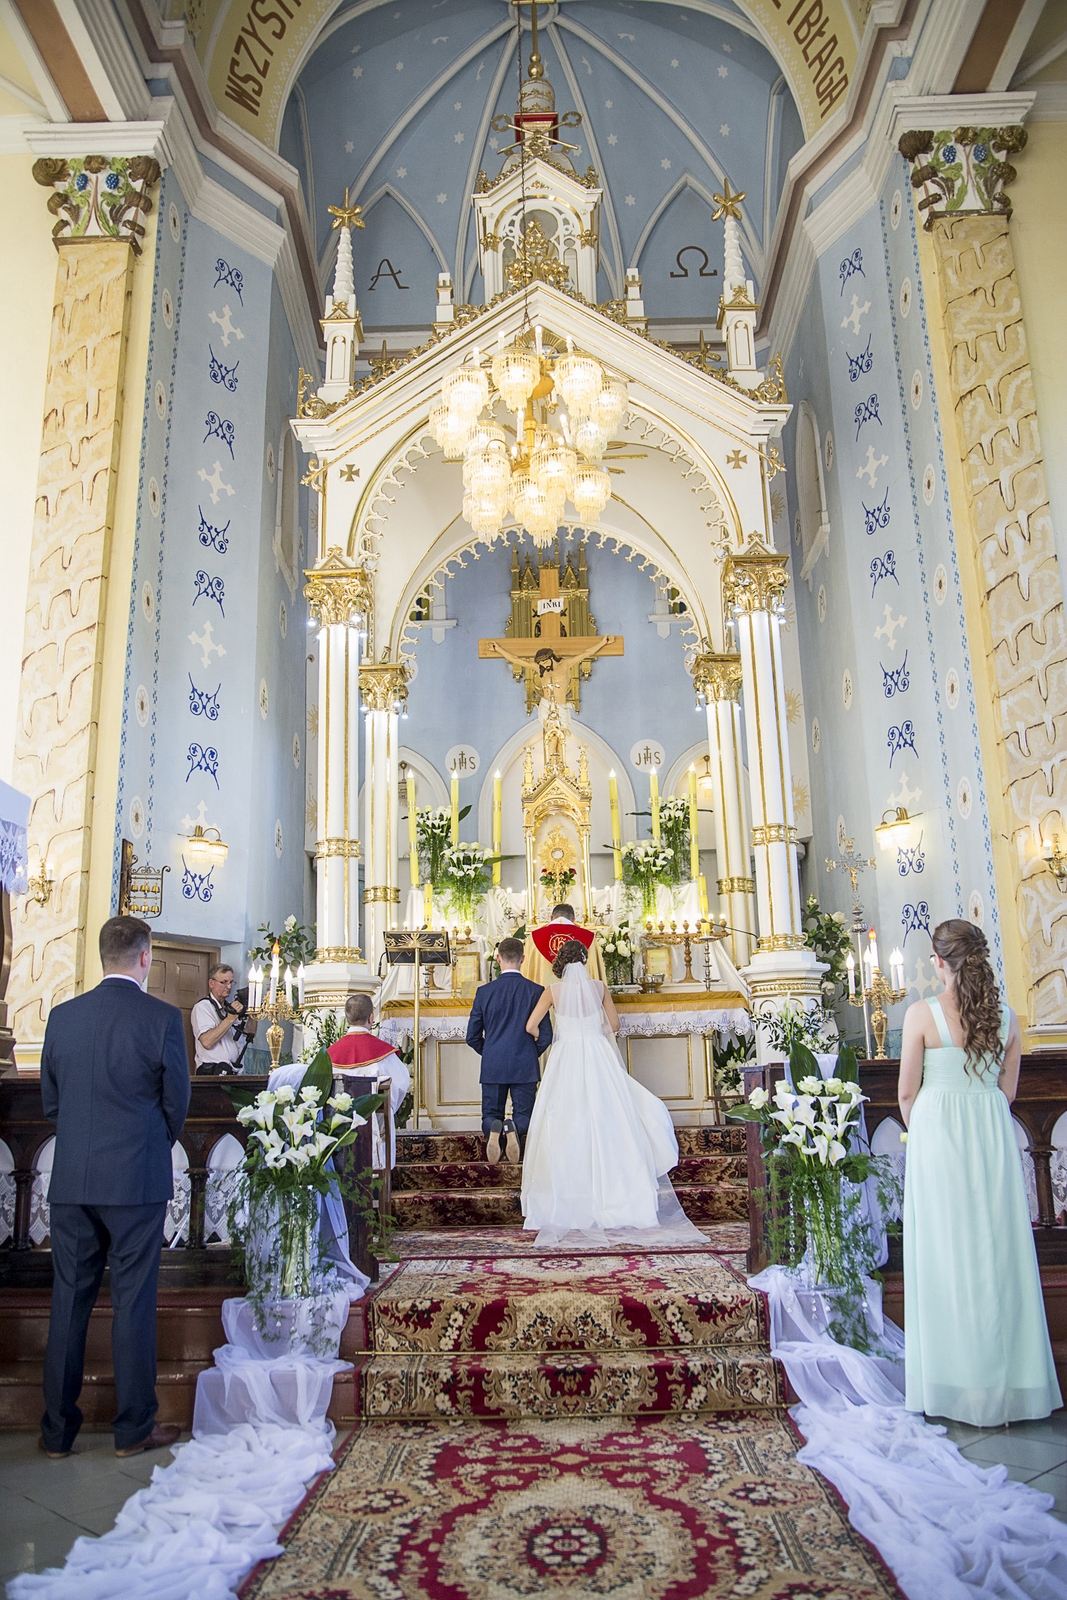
(727,204)
(349,216)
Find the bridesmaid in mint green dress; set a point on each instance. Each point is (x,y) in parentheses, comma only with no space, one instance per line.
(976,1341)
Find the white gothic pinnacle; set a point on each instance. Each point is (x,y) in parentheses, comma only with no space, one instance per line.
(344,286)
(734,267)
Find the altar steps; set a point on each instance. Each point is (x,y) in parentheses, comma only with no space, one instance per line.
(442,1180)
(547,1336)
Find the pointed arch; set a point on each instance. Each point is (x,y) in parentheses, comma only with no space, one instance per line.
(686,181)
(415,215)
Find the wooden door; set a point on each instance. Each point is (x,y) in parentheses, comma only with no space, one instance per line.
(179,976)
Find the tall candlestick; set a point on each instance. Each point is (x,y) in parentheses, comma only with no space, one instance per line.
(427,905)
(274,971)
(413,831)
(616,829)
(703,885)
(653,789)
(455,808)
(498,823)
(694,823)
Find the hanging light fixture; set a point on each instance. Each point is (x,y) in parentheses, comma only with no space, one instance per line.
(549,464)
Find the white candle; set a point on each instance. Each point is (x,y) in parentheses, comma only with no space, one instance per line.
(289,986)
(850,969)
(274,972)
(252,987)
(872,949)
(896,967)
(300,984)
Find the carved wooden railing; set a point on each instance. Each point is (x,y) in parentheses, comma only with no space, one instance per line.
(1040,1102)
(25,1130)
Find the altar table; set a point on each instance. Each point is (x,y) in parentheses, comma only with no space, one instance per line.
(666,1041)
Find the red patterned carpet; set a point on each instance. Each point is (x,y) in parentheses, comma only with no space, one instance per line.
(650,1510)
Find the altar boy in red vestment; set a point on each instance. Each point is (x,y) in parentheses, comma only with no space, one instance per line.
(361,1053)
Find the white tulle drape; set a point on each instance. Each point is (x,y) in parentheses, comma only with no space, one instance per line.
(949,1530)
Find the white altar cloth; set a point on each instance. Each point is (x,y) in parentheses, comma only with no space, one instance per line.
(708,1018)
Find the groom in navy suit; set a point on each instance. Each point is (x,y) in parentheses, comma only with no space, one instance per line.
(115,1081)
(497,1031)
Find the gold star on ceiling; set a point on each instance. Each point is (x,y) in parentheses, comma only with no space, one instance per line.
(736,460)
(349,473)
(727,204)
(348,216)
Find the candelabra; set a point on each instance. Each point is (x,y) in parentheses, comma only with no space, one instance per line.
(877,992)
(278,1007)
(39,884)
(661,937)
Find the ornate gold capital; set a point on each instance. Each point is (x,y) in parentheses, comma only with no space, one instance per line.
(962,172)
(347,849)
(715,676)
(755,581)
(337,590)
(383,687)
(736,885)
(98,197)
(339,952)
(782,941)
(381,895)
(774,833)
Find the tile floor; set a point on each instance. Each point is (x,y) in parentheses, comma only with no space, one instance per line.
(46,1505)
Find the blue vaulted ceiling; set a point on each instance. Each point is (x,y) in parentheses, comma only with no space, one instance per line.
(396,103)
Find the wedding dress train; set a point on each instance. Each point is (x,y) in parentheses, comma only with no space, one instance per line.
(600,1145)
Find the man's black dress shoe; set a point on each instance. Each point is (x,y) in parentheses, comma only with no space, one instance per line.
(511,1149)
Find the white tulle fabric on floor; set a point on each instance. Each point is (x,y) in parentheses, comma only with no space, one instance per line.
(600,1144)
(949,1530)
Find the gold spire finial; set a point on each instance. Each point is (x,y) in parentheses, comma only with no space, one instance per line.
(536,67)
(727,204)
(348,216)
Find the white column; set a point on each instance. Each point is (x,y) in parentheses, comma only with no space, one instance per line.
(338,595)
(717,679)
(383,689)
(783,967)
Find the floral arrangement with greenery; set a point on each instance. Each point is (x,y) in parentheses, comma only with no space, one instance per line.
(646,864)
(674,831)
(433,834)
(815,1172)
(731,1053)
(618,946)
(558,883)
(827,933)
(296,943)
(294,1135)
(467,876)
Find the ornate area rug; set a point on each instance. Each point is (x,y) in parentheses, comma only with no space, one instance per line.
(728,1239)
(664,1510)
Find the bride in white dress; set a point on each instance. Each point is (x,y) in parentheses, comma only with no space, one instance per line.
(600,1145)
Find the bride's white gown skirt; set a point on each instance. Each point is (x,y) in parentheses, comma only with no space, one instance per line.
(600,1145)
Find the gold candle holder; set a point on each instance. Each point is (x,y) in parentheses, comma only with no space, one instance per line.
(878,994)
(276,1011)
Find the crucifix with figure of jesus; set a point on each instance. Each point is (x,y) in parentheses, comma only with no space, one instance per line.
(552,653)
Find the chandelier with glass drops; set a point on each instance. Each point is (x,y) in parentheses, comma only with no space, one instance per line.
(547,465)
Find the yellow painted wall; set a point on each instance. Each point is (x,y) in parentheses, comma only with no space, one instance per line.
(1039,233)
(27,282)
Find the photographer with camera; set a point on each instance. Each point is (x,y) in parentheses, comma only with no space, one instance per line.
(220,1027)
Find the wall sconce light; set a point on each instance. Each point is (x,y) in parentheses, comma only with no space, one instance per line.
(39,884)
(896,829)
(205,848)
(1053,854)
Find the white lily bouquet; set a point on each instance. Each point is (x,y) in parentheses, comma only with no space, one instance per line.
(647,863)
(468,874)
(816,1165)
(289,1168)
(617,947)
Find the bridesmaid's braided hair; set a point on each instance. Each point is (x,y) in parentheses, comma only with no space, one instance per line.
(573,950)
(963,947)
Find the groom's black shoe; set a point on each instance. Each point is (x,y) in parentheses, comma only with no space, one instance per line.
(493,1151)
(514,1154)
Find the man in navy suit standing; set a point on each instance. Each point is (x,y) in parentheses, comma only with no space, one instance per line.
(115,1081)
(497,1030)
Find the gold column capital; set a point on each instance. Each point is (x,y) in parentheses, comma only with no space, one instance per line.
(755,580)
(962,171)
(383,686)
(336,589)
(98,197)
(346,849)
(717,676)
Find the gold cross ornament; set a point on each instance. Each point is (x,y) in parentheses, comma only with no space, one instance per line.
(727,204)
(349,216)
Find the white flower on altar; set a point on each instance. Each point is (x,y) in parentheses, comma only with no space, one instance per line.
(282,1095)
(758,1099)
(290,924)
(310,1096)
(809,1085)
(341,1102)
(838,1152)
